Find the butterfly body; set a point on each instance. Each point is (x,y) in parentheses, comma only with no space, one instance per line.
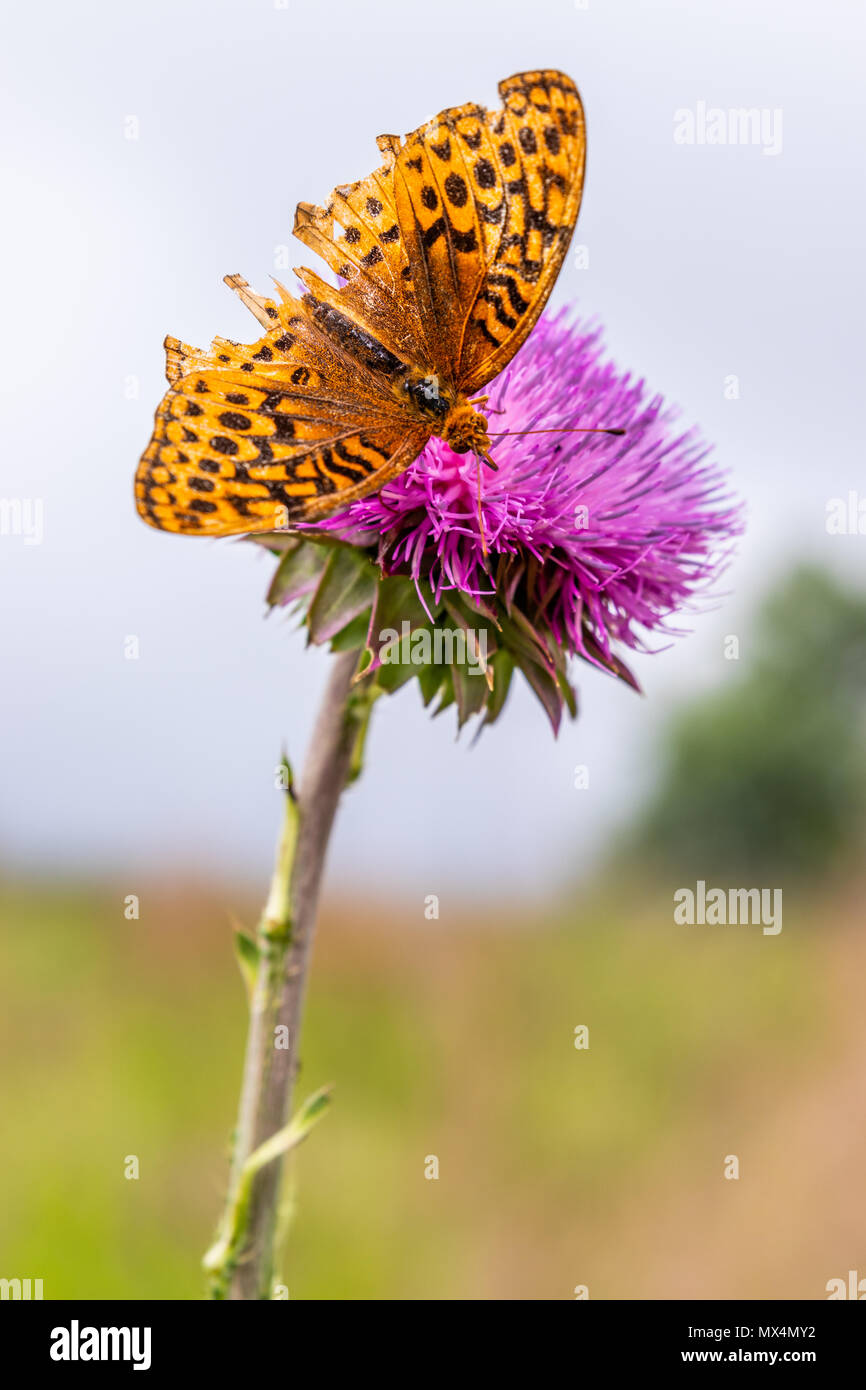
(445,257)
(446,412)
(427,394)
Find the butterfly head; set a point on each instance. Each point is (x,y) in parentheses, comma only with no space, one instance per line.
(465,429)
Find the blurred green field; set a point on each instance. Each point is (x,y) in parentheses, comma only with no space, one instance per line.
(557,1166)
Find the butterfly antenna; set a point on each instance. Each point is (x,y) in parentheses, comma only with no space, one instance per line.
(584,429)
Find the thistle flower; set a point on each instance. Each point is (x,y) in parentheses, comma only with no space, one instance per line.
(583,542)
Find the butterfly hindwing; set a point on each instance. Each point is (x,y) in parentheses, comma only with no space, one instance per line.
(253,438)
(488,202)
(357,234)
(448,252)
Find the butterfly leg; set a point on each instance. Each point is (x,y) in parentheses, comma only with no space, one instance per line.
(482,400)
(480,516)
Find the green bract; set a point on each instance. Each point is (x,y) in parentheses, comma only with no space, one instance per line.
(462,649)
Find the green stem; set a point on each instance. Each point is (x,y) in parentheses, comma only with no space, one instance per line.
(240,1265)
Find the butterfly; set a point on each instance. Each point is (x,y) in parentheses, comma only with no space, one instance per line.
(445,257)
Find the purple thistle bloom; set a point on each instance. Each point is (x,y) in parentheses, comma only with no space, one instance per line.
(618,533)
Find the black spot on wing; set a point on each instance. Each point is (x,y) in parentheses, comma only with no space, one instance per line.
(284,427)
(499,309)
(464,241)
(222,445)
(456,191)
(528,142)
(518,303)
(233,420)
(433,233)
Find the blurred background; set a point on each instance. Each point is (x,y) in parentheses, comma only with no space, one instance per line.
(146,154)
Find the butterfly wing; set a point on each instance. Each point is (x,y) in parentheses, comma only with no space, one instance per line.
(251,438)
(487,202)
(358,235)
(449,251)
(447,254)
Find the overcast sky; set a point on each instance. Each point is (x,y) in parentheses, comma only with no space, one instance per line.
(705,262)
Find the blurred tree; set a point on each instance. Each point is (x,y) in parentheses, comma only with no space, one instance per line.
(770,773)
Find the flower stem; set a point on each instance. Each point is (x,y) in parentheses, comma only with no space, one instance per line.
(241,1262)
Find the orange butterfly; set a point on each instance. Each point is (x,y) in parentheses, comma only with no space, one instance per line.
(448,253)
